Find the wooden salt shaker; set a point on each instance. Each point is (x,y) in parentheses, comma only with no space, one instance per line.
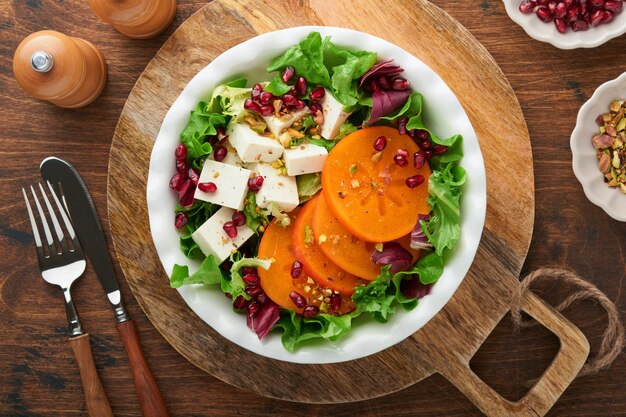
(139,19)
(66,71)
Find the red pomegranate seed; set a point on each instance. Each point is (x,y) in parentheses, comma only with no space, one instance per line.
(317,93)
(572,13)
(614,6)
(251,279)
(193,176)
(400,160)
(560,25)
(314,107)
(580,25)
(310,311)
(400,84)
(299,104)
(219,153)
(182,166)
(542,2)
(177,181)
(181,152)
(207,187)
(428,154)
(251,105)
(249,270)
(568,3)
(262,298)
(560,11)
(418,160)
(298,299)
(527,6)
(186,193)
(230,229)
(335,302)
(544,14)
(402,125)
(255,183)
(296,269)
(240,303)
(422,134)
(608,16)
(239,218)
(596,17)
(583,8)
(384,83)
(380,143)
(301,86)
(266,98)
(221,133)
(267,110)
(414,181)
(425,144)
(287,74)
(403,153)
(180,220)
(252,308)
(439,149)
(552,6)
(256,91)
(289,99)
(596,3)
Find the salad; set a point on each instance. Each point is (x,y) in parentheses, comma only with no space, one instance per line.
(318,195)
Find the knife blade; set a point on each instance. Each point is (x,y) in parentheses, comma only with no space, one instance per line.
(68,182)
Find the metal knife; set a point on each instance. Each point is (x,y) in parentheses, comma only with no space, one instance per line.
(87,225)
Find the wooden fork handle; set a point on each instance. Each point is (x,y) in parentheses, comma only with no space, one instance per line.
(150,399)
(95,398)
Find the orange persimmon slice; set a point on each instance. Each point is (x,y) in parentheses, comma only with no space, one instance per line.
(315,264)
(367,191)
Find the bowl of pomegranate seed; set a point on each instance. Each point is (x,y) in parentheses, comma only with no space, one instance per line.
(598,145)
(297,201)
(569,24)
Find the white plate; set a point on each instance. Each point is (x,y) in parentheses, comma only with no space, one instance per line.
(546,32)
(584,160)
(443,113)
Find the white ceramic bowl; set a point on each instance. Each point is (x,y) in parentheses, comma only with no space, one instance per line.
(584,160)
(546,32)
(443,113)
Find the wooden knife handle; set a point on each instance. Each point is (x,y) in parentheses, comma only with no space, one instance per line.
(96,399)
(150,399)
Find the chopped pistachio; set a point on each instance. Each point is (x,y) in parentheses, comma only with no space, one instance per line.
(376,157)
(622,188)
(321,239)
(353,169)
(614,107)
(616,161)
(308,235)
(354,183)
(378,247)
(621,126)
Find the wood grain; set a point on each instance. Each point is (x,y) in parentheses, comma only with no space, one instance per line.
(39,377)
(470,72)
(95,398)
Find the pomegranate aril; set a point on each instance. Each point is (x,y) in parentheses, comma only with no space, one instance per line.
(262,298)
(296,269)
(253,307)
(219,153)
(580,25)
(400,84)
(596,17)
(287,74)
(299,104)
(256,91)
(249,270)
(186,193)
(608,16)
(251,105)
(560,25)
(418,160)
(182,166)
(560,11)
(221,133)
(542,2)
(400,160)
(181,152)
(251,279)
(310,311)
(414,181)
(597,3)
(422,134)
(314,107)
(335,302)
(544,14)
(255,183)
(239,218)
(301,86)
(317,93)
(403,153)
(289,99)
(266,98)
(384,83)
(568,3)
(267,110)
(193,176)
(439,149)
(614,6)
(402,125)
(380,143)
(240,303)
(207,187)
(572,13)
(527,6)
(180,220)
(298,299)
(425,144)
(177,181)
(230,229)
(552,6)
(428,154)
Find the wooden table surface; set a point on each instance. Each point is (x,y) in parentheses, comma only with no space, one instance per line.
(38,374)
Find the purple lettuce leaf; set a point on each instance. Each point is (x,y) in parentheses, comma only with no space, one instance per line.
(381,69)
(395,255)
(386,102)
(413,288)
(418,238)
(263,319)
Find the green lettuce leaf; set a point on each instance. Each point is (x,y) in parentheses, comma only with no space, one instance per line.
(308,185)
(234,284)
(307,58)
(209,273)
(255,217)
(429,268)
(277,86)
(202,123)
(344,130)
(229,101)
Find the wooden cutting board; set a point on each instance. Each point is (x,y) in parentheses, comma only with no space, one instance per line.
(448,342)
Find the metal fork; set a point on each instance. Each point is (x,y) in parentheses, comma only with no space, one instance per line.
(62,262)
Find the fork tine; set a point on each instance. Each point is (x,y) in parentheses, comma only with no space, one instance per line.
(44,222)
(61,207)
(33,223)
(53,216)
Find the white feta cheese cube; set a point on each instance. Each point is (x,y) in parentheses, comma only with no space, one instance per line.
(213,240)
(251,146)
(279,189)
(231,182)
(304,159)
(334,115)
(278,124)
(232,158)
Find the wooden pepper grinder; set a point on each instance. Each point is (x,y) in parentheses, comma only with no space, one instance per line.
(139,19)
(66,71)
